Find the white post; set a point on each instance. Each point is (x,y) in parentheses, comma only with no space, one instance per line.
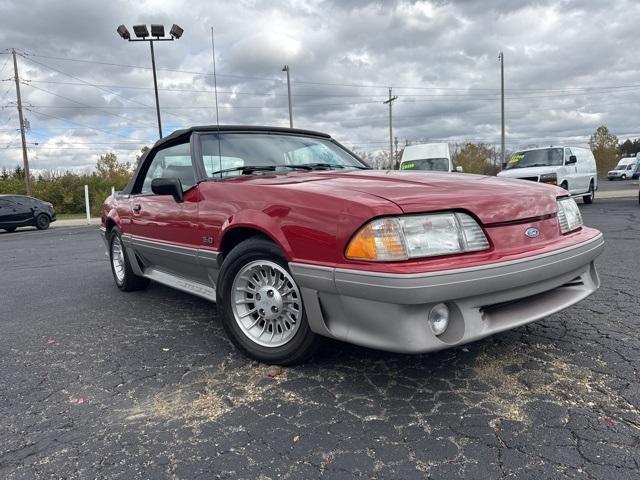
(86,203)
(113,191)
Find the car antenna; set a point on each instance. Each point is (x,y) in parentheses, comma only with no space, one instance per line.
(215,90)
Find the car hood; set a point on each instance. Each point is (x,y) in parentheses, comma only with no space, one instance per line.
(527,171)
(615,172)
(490,199)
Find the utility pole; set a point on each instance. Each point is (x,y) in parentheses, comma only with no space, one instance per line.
(395,160)
(390,102)
(502,152)
(286,69)
(25,157)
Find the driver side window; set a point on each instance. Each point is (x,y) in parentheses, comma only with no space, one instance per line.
(567,154)
(171,162)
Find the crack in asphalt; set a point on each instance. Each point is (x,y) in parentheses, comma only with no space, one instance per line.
(95,383)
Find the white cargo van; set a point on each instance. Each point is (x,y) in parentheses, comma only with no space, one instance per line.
(572,168)
(428,156)
(626,169)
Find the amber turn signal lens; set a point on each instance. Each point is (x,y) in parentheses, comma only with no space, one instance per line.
(379,240)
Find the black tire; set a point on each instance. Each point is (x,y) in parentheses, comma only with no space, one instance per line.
(564,185)
(42,221)
(130,282)
(303,345)
(592,195)
(9,229)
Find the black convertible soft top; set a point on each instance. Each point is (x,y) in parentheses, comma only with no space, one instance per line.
(185,132)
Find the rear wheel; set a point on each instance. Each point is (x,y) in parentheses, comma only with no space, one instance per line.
(591,196)
(42,221)
(564,185)
(261,305)
(123,275)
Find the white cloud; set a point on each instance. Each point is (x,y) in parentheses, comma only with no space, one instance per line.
(343,56)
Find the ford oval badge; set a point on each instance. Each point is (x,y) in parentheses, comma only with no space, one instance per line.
(532,232)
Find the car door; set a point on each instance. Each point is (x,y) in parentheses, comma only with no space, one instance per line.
(571,173)
(22,212)
(7,214)
(163,232)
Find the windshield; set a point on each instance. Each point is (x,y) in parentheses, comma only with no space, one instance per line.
(536,158)
(240,150)
(621,167)
(435,164)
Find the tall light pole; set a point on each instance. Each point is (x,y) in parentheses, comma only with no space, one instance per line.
(502,152)
(390,102)
(157,35)
(25,157)
(286,69)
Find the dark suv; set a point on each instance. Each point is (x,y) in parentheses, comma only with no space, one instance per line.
(22,211)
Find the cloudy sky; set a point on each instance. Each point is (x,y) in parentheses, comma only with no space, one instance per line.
(569,66)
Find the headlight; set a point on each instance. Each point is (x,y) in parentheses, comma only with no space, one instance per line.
(549,178)
(417,236)
(569,215)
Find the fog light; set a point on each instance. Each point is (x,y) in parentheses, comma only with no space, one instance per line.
(439,319)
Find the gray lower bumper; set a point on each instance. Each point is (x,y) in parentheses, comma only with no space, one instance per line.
(389,312)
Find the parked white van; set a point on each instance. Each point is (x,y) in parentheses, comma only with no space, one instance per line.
(428,156)
(626,168)
(572,168)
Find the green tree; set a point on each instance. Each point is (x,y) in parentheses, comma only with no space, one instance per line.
(109,167)
(476,158)
(625,149)
(143,151)
(604,146)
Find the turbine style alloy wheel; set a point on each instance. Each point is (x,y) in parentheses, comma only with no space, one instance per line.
(117,259)
(266,303)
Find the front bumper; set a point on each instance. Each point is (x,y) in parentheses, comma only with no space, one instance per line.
(389,311)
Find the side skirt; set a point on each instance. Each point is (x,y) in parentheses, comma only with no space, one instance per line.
(189,286)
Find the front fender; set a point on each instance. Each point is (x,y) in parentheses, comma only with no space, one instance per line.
(258,220)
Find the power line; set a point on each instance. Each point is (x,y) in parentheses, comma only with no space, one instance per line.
(95,86)
(5,63)
(337,84)
(81,104)
(443,97)
(74,123)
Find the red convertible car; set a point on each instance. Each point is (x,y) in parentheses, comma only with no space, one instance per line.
(295,238)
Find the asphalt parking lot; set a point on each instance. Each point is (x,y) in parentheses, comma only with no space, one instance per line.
(95,383)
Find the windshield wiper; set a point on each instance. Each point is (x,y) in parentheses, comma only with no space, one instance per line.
(534,165)
(249,169)
(328,166)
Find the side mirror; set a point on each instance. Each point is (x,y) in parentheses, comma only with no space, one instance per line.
(168,186)
(459,169)
(572,159)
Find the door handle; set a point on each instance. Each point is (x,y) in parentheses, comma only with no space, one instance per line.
(137,207)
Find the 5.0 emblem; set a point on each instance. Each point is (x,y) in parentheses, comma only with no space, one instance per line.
(532,232)
(207,240)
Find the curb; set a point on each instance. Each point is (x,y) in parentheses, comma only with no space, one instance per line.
(617,194)
(79,222)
